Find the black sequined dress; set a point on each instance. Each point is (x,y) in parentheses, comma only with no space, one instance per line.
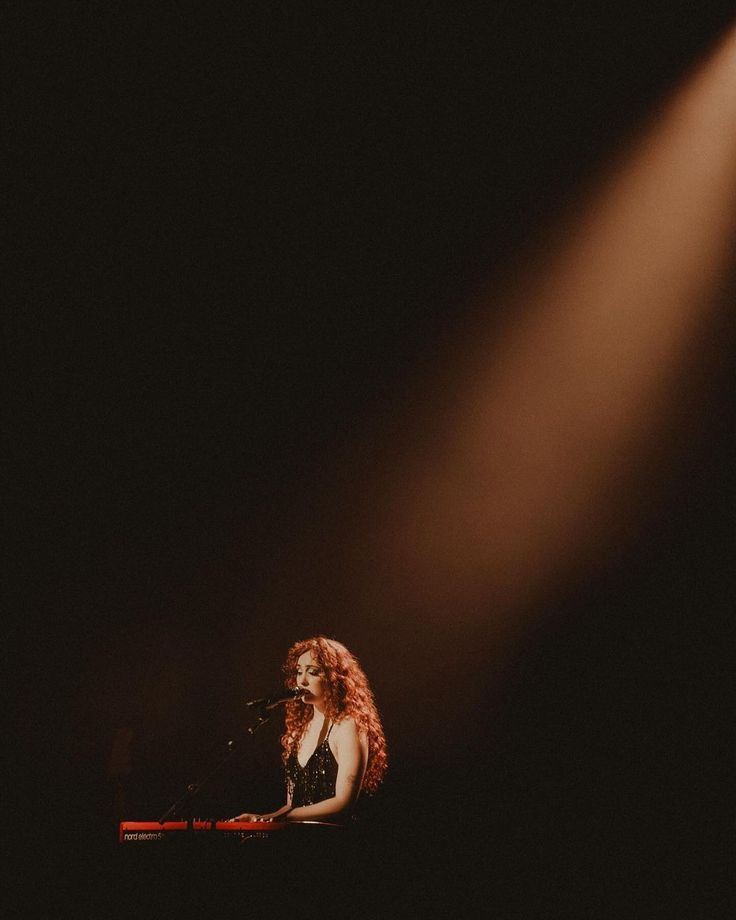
(315,781)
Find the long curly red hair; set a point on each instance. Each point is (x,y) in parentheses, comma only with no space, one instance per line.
(347,695)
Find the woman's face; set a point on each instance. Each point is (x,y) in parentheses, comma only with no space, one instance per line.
(310,677)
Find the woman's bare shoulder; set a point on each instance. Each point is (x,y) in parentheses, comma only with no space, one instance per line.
(346,725)
(347,730)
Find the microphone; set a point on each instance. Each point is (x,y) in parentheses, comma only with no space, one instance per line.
(283,696)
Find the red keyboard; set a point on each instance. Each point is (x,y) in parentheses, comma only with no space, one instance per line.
(152,831)
(145,831)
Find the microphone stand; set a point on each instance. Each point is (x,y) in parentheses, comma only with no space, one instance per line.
(262,716)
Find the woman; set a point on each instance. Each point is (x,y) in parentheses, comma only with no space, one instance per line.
(333,745)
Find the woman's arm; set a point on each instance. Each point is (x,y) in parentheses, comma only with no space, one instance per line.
(275,815)
(351,753)
(271,816)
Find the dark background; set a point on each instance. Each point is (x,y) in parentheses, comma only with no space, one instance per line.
(245,233)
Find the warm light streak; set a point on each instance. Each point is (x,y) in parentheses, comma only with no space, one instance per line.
(532,455)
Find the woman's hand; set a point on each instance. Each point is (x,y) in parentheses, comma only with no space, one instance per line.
(247,816)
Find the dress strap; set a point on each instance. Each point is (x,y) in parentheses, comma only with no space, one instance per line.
(329,730)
